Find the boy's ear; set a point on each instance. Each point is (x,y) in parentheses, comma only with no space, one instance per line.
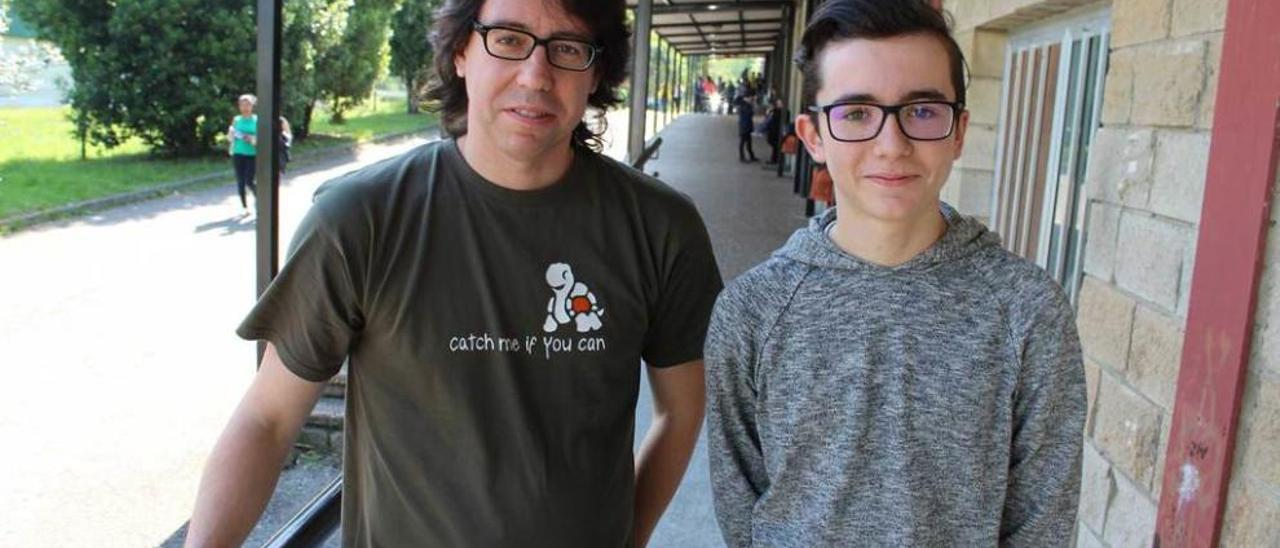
(962,129)
(811,135)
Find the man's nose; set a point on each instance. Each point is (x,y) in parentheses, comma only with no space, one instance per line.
(536,71)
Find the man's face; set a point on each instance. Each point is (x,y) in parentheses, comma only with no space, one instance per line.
(891,177)
(524,108)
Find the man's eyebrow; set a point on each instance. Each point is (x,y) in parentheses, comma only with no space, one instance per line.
(926,94)
(565,34)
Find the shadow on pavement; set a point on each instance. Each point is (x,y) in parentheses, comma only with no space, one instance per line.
(242,222)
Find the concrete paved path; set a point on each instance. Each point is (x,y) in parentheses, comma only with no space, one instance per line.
(121,365)
(749,212)
(120,362)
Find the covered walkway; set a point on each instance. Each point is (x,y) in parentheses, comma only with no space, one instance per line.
(749,212)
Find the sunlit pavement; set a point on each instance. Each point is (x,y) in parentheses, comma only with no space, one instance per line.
(121,364)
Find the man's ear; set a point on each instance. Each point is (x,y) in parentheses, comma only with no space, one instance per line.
(811,135)
(460,63)
(962,130)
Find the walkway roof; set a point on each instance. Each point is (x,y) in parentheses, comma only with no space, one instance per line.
(721,27)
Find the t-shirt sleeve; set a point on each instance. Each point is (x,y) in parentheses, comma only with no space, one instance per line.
(687,290)
(311,311)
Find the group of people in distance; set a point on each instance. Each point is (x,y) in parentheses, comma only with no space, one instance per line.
(889,377)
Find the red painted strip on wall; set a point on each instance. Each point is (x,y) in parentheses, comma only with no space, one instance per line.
(1229,256)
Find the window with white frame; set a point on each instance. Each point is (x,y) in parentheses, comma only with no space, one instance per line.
(1050,103)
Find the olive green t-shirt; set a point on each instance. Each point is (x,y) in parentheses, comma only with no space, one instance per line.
(494,339)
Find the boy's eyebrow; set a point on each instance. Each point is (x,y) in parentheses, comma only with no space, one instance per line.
(926,94)
(565,34)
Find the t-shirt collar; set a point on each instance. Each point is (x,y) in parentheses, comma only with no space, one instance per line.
(567,186)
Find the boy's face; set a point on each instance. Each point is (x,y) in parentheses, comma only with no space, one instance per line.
(524,108)
(890,178)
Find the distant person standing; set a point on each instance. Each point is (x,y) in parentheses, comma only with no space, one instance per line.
(746,125)
(286,145)
(773,129)
(708,92)
(243,135)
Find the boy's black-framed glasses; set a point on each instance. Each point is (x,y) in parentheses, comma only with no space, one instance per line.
(518,45)
(854,121)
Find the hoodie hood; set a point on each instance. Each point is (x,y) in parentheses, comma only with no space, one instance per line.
(964,237)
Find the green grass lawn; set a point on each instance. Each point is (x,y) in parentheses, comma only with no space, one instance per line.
(40,165)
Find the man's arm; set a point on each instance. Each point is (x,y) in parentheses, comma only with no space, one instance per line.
(241,474)
(679,399)
(1048,431)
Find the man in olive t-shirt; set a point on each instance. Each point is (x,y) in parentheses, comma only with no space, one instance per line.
(493,294)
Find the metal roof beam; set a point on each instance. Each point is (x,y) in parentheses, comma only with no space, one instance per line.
(715,7)
(722,23)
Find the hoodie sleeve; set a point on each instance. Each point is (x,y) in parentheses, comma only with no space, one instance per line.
(1048,426)
(738,476)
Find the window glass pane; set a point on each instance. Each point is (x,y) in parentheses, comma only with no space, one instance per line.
(1075,250)
(1067,145)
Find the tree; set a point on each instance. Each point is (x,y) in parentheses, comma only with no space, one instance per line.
(410,49)
(18,67)
(345,75)
(169,71)
(166,71)
(311,29)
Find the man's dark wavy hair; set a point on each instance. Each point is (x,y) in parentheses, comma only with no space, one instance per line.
(872,19)
(607,23)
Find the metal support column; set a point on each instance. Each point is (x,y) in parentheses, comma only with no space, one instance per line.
(671,88)
(1234,221)
(676,83)
(682,82)
(268,148)
(655,61)
(788,49)
(639,78)
(660,86)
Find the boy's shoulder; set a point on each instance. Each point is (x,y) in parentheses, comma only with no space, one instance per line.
(1023,288)
(764,290)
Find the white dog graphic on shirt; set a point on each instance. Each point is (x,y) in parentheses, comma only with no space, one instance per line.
(571,301)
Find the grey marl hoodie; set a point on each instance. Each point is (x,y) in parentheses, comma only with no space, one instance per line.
(937,403)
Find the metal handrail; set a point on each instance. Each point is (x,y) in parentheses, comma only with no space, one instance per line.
(315,523)
(650,152)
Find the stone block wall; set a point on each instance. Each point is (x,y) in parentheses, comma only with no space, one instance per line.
(1145,181)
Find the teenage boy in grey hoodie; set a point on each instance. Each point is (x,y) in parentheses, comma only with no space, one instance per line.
(892,376)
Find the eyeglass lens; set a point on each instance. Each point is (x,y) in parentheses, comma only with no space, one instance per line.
(517,45)
(863,121)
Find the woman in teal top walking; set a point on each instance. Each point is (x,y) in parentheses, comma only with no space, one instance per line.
(243,135)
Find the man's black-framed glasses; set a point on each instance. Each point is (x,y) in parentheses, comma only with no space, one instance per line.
(518,45)
(854,122)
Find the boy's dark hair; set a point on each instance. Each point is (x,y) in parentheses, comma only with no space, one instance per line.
(452,28)
(872,19)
